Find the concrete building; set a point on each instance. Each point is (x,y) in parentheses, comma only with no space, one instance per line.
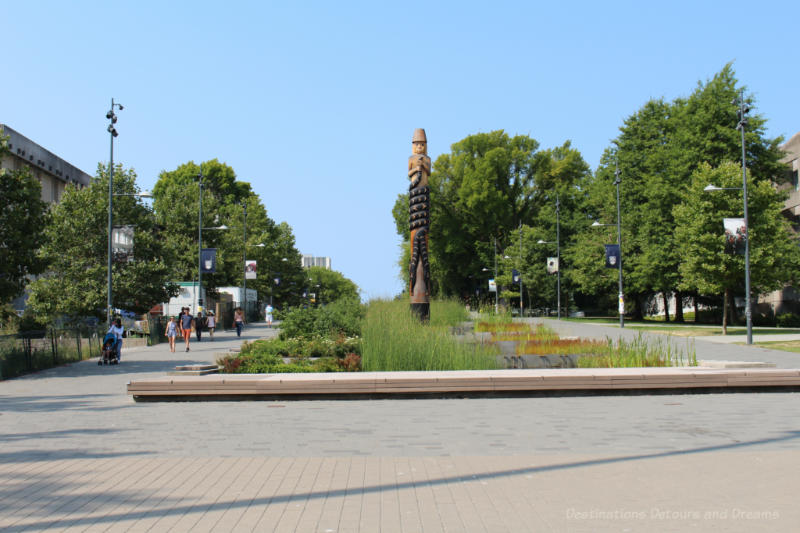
(787,300)
(52,172)
(310,260)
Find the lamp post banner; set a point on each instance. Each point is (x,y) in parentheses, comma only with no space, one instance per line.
(122,243)
(552,265)
(735,235)
(612,256)
(492,285)
(208,260)
(515,277)
(250,270)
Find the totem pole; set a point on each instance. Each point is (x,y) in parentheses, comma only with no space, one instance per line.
(419,204)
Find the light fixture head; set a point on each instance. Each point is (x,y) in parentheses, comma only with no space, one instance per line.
(120,107)
(540,241)
(145,194)
(596,224)
(710,187)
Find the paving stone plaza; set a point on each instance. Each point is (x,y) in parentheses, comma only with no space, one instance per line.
(78,454)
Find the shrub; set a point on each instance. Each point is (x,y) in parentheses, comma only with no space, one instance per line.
(342,317)
(788,320)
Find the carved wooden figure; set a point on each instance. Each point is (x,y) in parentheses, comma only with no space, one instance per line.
(419,203)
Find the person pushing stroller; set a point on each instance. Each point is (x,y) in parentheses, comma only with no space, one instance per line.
(112,344)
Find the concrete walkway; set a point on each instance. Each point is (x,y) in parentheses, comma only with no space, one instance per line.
(716,348)
(77,454)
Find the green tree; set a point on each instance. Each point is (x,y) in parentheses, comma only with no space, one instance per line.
(76,250)
(480,192)
(176,205)
(658,149)
(330,285)
(23,217)
(706,265)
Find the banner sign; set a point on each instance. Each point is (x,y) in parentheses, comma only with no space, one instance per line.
(208,260)
(552,265)
(250,270)
(122,243)
(492,285)
(735,235)
(515,276)
(612,256)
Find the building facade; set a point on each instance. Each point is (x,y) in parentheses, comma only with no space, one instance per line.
(787,300)
(52,172)
(310,260)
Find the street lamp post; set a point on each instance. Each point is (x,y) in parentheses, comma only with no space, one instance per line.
(112,118)
(742,112)
(617,181)
(200,242)
(496,301)
(558,256)
(244,255)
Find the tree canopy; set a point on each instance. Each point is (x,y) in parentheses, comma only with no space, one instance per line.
(23,217)
(76,250)
(224,198)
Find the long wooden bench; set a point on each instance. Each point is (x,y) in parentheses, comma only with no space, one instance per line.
(245,386)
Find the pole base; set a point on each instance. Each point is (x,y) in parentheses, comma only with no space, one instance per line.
(422,311)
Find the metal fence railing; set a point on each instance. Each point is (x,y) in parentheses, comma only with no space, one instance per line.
(30,351)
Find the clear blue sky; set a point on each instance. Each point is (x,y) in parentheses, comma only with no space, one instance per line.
(314,103)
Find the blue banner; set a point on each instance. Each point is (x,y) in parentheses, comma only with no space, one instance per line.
(208,260)
(612,256)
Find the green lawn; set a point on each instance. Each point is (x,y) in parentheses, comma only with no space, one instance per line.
(786,346)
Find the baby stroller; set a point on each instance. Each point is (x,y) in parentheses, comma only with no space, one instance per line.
(108,354)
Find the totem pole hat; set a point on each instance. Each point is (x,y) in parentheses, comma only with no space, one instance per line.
(419,136)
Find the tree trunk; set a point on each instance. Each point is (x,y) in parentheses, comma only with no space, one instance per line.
(725,299)
(734,315)
(637,307)
(666,305)
(678,306)
(696,310)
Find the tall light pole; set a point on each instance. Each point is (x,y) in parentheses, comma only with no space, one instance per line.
(558,256)
(521,306)
(496,288)
(742,112)
(112,118)
(244,255)
(199,242)
(617,181)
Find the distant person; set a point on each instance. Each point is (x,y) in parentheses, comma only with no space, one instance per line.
(172,332)
(199,324)
(238,321)
(211,324)
(268,311)
(186,326)
(118,332)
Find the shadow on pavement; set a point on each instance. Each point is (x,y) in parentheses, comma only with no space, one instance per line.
(231,503)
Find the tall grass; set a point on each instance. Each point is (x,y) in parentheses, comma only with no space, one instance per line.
(639,353)
(393,340)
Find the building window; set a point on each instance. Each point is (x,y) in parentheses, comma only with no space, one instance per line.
(795,183)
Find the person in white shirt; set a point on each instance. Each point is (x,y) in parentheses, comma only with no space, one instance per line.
(118,332)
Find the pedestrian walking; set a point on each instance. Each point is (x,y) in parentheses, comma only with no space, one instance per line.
(185,324)
(199,324)
(172,332)
(211,324)
(268,312)
(238,320)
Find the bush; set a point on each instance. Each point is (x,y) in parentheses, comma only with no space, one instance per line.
(342,317)
(788,320)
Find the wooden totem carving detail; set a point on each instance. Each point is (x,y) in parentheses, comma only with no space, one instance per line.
(419,203)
